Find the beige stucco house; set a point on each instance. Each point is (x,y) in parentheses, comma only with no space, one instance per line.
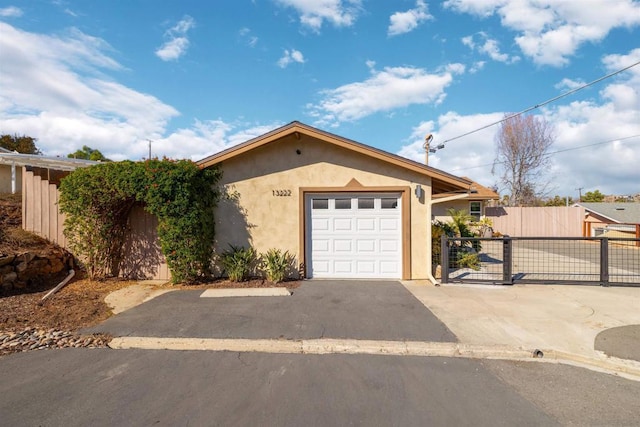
(342,208)
(480,198)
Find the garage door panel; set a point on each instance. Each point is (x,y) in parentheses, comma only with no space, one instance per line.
(387,245)
(387,267)
(321,245)
(342,245)
(366,224)
(342,224)
(365,267)
(363,241)
(321,267)
(366,245)
(345,267)
(320,224)
(389,224)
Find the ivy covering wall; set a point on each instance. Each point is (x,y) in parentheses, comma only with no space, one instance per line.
(97,201)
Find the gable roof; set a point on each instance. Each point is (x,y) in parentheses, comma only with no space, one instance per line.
(482,192)
(621,213)
(441,181)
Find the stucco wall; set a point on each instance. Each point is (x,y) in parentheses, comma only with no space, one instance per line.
(258,217)
(440,209)
(5,179)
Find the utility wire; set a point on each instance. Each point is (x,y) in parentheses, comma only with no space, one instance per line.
(554,152)
(544,103)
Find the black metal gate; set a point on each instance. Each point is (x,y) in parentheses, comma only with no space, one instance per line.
(570,260)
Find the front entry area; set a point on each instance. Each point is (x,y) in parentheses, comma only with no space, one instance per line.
(354,235)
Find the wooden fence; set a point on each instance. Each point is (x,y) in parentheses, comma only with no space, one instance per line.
(537,221)
(41,215)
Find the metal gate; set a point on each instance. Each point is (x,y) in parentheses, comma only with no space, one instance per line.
(569,260)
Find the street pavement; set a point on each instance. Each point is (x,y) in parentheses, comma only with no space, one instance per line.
(80,387)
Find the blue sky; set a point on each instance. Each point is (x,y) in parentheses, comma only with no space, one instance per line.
(196,77)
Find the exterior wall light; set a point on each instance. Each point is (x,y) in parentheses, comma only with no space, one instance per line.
(419,191)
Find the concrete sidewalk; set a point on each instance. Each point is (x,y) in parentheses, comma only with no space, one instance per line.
(565,318)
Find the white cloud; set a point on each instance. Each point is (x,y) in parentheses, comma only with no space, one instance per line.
(249,39)
(549,31)
(610,167)
(404,22)
(54,88)
(477,66)
(290,56)
(205,138)
(176,43)
(11,12)
(488,46)
(391,88)
(313,13)
(569,84)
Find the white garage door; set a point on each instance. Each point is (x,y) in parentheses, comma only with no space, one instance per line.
(354,235)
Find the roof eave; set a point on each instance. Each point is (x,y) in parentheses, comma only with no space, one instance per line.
(295,126)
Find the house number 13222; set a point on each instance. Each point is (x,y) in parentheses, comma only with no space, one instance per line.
(281,193)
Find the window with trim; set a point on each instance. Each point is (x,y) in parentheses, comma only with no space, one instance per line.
(320,203)
(475,210)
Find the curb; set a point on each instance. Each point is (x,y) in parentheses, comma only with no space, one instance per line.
(629,369)
(612,366)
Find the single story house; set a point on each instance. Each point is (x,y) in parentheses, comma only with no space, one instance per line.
(342,208)
(611,220)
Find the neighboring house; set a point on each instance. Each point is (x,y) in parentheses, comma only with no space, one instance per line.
(342,208)
(474,204)
(10,175)
(12,163)
(611,219)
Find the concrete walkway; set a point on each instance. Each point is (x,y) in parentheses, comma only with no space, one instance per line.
(564,320)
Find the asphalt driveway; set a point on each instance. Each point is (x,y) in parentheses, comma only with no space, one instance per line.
(367,310)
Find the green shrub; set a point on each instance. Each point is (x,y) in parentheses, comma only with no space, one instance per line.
(238,262)
(276,264)
(467,259)
(98,199)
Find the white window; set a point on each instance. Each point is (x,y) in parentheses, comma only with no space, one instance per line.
(475,210)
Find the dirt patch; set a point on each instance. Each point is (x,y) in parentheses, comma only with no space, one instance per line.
(81,303)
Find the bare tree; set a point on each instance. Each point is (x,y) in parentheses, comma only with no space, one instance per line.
(522,146)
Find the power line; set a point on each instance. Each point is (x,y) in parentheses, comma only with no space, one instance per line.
(555,152)
(545,102)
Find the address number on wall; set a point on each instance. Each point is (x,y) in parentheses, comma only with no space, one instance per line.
(281,193)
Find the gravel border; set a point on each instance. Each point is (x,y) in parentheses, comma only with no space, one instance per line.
(40,339)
